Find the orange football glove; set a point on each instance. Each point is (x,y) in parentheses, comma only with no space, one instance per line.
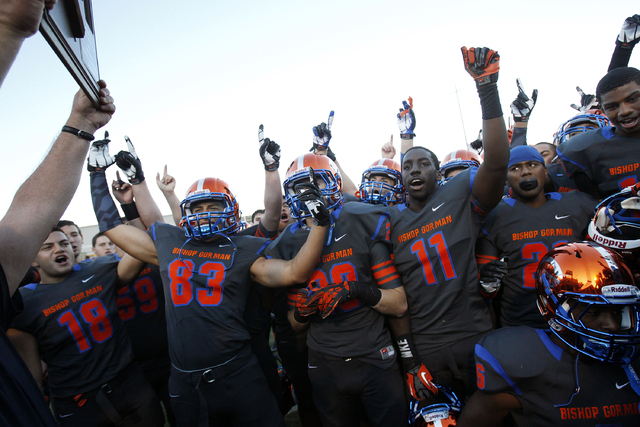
(421,383)
(482,63)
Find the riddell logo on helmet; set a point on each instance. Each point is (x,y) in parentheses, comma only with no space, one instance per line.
(620,291)
(609,242)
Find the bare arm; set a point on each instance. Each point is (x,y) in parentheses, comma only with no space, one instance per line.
(393,302)
(147,207)
(295,325)
(134,242)
(54,181)
(280,273)
(167,185)
(487,410)
(128,269)
(27,346)
(18,21)
(272,201)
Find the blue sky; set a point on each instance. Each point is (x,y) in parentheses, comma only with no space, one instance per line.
(194,80)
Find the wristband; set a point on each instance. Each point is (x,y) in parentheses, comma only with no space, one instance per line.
(130,211)
(299,318)
(369,295)
(489,101)
(79,133)
(407,135)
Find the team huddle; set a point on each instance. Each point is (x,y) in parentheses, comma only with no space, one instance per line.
(494,288)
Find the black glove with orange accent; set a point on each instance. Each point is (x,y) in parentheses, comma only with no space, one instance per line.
(482,63)
(419,379)
(329,297)
(309,193)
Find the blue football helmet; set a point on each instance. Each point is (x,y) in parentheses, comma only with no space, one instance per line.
(378,192)
(203,225)
(592,119)
(442,414)
(574,278)
(327,178)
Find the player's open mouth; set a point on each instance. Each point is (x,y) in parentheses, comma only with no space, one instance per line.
(284,217)
(61,259)
(628,123)
(416,183)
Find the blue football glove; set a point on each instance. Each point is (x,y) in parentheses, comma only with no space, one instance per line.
(407,120)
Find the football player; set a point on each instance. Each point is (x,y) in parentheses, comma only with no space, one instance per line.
(433,236)
(352,362)
(207,271)
(70,318)
(457,161)
(604,161)
(74,234)
(522,228)
(580,372)
(381,183)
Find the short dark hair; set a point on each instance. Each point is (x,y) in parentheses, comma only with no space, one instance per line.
(616,78)
(253,215)
(95,239)
(64,223)
(433,156)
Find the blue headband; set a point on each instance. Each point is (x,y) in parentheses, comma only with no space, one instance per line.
(524,153)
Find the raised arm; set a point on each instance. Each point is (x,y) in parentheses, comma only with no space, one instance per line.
(18,21)
(407,125)
(42,199)
(483,65)
(270,155)
(132,240)
(521,109)
(131,165)
(281,273)
(167,184)
(627,39)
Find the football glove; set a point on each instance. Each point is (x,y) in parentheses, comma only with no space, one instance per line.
(130,164)
(310,194)
(99,158)
(482,64)
(629,33)
(522,106)
(407,120)
(306,305)
(420,382)
(269,152)
(322,133)
(329,297)
(491,275)
(587,101)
